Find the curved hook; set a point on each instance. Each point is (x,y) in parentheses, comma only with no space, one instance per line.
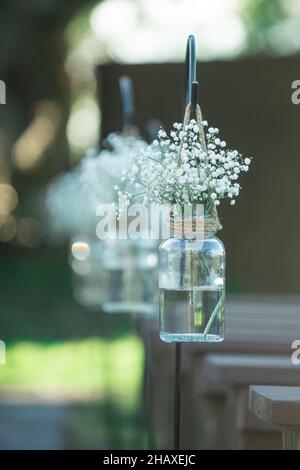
(126,89)
(191,85)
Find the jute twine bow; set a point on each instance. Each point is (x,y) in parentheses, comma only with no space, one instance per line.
(193,227)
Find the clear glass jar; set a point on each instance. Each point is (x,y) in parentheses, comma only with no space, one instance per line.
(192,290)
(85,260)
(130,272)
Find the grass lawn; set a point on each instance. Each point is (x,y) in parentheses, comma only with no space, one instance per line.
(58,351)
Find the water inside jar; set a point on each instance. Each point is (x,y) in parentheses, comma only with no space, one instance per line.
(192,314)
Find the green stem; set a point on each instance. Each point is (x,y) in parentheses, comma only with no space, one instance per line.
(156,161)
(138,194)
(213,315)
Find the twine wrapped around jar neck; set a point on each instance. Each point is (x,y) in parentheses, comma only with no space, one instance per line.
(195,227)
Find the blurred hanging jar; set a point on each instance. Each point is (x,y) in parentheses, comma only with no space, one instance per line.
(85,259)
(130,271)
(192,282)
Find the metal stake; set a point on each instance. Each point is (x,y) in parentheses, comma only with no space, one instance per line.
(177,396)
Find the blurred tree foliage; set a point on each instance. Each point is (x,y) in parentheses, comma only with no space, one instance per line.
(32,65)
(33,51)
(259,17)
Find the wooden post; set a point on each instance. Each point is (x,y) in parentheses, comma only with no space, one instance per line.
(281,406)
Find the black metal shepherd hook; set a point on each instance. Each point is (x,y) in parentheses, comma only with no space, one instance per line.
(128,110)
(190,82)
(190,69)
(191,92)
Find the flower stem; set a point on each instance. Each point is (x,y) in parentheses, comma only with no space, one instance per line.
(214,314)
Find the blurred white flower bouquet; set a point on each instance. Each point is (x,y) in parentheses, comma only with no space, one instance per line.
(73,197)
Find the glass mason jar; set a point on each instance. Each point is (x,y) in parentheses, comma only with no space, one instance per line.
(192,289)
(130,271)
(85,260)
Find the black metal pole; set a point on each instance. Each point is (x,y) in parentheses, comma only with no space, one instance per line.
(126,89)
(177,397)
(190,90)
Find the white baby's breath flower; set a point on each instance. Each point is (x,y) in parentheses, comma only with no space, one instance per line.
(177,169)
(162,133)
